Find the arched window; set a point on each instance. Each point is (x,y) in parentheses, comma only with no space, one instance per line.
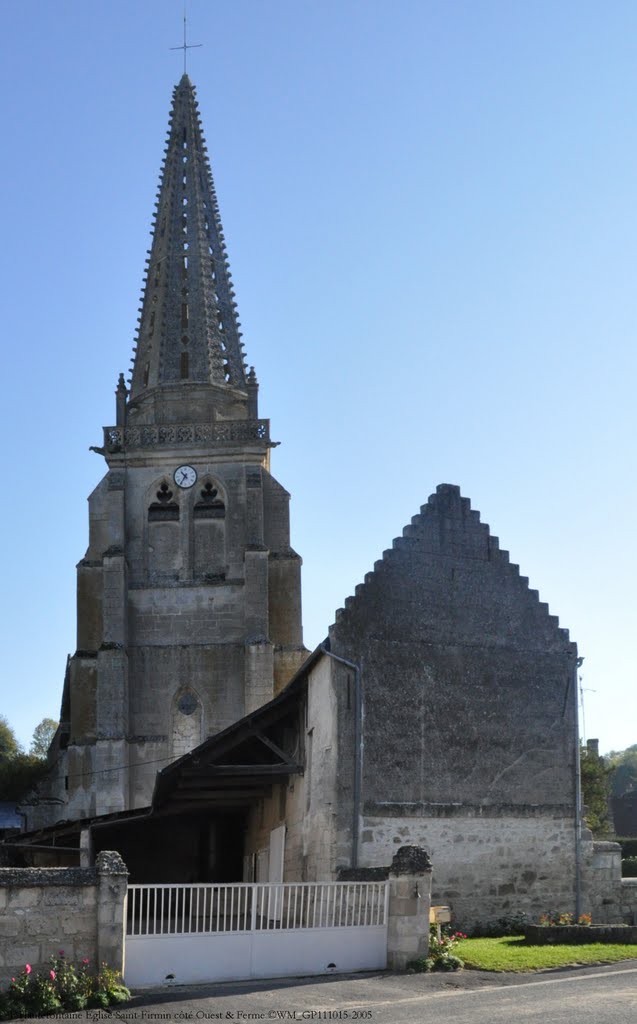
(164,549)
(187,722)
(209,515)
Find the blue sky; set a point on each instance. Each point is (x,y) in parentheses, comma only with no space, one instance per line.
(431,221)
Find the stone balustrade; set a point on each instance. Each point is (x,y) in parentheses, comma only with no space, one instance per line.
(175,435)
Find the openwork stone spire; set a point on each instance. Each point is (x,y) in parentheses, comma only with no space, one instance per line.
(188,327)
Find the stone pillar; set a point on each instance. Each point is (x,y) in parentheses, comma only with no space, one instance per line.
(409,903)
(112,882)
(86,848)
(120,401)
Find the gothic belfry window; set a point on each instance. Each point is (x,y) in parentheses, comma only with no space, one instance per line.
(163,540)
(187,722)
(209,521)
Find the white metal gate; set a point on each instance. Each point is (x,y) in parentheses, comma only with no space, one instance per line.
(192,933)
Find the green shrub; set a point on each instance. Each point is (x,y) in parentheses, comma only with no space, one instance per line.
(629,847)
(629,867)
(509,924)
(64,987)
(441,955)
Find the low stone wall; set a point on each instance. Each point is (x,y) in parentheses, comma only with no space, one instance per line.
(542,935)
(78,910)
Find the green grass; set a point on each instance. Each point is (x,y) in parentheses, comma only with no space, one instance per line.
(513,954)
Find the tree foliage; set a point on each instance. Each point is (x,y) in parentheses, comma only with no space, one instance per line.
(9,745)
(20,772)
(624,766)
(42,736)
(595,773)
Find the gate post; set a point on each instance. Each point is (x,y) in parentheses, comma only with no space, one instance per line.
(112,878)
(409,903)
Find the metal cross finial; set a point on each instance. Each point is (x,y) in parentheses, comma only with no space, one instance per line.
(186,46)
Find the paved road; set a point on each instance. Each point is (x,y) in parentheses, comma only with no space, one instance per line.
(600,995)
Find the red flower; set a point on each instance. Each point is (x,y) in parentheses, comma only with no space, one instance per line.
(86,960)
(61,952)
(27,968)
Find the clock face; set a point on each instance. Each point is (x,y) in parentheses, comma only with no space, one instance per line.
(185,476)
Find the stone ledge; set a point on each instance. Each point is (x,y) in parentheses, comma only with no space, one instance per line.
(29,878)
(552,935)
(381,809)
(109,862)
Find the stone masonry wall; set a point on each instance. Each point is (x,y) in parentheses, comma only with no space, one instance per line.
(484,868)
(78,910)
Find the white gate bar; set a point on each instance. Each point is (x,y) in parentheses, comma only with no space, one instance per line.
(254,906)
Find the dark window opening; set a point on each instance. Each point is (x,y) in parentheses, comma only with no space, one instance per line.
(164,509)
(184,314)
(183,366)
(209,505)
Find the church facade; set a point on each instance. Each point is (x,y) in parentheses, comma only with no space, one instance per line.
(189,594)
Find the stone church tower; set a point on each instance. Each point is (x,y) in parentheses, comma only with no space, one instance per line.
(189,595)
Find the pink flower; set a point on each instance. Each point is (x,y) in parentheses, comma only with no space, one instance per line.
(86,960)
(52,973)
(27,968)
(61,952)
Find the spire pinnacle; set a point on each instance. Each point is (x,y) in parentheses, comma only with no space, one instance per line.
(188,327)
